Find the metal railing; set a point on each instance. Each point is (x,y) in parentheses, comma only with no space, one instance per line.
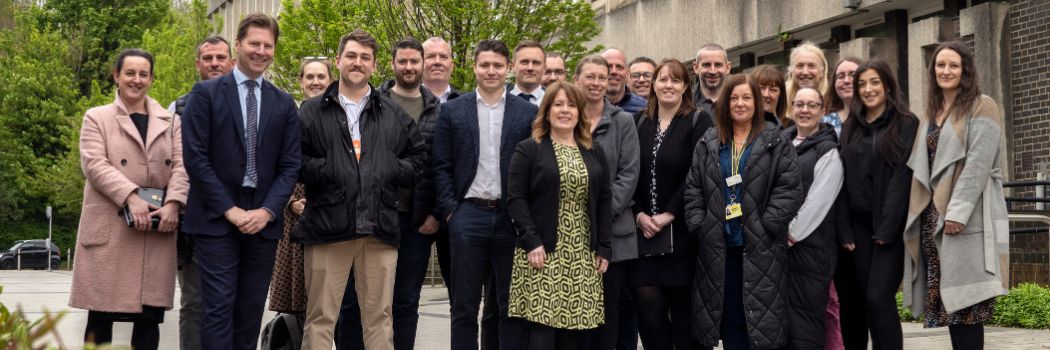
(1038,215)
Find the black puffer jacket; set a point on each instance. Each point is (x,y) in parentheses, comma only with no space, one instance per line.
(423,196)
(348,198)
(811,261)
(771,197)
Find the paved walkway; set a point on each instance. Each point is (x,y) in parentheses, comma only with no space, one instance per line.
(36,291)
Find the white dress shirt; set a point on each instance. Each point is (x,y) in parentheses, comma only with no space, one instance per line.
(537,95)
(486,183)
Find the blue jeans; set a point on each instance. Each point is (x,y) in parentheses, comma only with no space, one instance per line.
(482,242)
(413,258)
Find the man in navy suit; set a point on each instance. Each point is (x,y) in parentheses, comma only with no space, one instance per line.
(474,139)
(241,150)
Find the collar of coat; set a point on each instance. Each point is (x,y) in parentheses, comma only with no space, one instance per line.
(769,137)
(331,96)
(429,99)
(159,119)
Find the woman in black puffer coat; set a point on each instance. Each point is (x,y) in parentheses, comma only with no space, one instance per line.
(812,240)
(738,290)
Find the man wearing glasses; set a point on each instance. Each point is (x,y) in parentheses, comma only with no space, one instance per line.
(640,80)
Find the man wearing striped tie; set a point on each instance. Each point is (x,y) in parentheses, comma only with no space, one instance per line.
(241,151)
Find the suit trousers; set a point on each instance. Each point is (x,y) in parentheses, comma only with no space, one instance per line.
(189,306)
(235,272)
(326,267)
(482,244)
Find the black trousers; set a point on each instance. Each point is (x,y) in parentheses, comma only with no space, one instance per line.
(867,281)
(145,334)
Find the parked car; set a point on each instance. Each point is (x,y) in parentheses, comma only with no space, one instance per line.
(34,255)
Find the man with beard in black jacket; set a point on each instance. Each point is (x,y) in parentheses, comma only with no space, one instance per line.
(359,148)
(415,206)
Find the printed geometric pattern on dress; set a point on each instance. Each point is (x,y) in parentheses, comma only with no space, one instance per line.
(567,292)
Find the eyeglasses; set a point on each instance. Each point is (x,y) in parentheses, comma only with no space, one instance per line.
(637,75)
(803,105)
(843,76)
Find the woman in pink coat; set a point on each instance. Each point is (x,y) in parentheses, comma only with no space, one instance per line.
(122,273)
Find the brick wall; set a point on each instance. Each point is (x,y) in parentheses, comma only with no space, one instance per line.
(1029,46)
(1029,261)
(1029,50)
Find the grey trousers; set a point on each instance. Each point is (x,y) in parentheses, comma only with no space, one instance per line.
(190,306)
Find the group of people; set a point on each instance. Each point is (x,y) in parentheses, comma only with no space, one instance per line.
(764,210)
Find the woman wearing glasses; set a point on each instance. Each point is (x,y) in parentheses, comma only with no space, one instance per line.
(812,240)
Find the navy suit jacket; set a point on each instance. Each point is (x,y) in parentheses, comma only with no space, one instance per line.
(456,146)
(215,157)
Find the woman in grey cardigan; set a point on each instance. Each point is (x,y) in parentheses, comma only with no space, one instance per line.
(957,211)
(614,130)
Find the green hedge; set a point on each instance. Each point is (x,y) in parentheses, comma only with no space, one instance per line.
(1025,306)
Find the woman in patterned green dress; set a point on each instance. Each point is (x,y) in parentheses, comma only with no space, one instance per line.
(559,200)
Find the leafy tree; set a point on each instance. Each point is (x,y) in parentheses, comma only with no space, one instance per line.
(174,48)
(97,29)
(313,28)
(38,112)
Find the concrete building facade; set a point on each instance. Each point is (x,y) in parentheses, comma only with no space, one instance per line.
(231,12)
(1010,39)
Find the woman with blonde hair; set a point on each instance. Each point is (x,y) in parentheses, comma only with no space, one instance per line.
(288,285)
(807,68)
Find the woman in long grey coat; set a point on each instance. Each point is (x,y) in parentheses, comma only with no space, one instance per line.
(957,212)
(615,131)
(124,273)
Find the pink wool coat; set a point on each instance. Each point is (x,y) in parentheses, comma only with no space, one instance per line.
(116,268)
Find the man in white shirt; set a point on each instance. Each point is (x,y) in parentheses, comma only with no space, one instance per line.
(474,140)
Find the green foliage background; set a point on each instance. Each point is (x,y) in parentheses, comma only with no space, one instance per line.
(314,27)
(56,60)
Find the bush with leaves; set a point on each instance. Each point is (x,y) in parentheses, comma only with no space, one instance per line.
(1026,306)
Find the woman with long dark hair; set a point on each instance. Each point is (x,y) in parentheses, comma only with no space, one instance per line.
(667,131)
(840,92)
(957,210)
(875,145)
(774,95)
(742,191)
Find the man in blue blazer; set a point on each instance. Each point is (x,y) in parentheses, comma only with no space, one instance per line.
(241,150)
(474,139)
